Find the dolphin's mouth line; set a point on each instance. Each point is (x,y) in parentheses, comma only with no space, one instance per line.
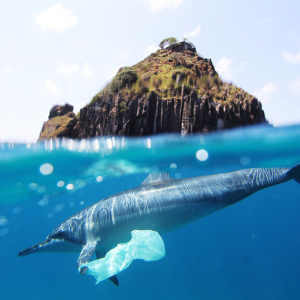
(51,245)
(28,251)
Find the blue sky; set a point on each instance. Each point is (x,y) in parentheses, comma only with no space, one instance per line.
(53,52)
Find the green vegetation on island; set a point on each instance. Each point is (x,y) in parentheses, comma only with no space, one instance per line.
(165,72)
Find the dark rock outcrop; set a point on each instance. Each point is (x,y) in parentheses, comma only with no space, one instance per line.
(61,110)
(183,46)
(150,114)
(59,118)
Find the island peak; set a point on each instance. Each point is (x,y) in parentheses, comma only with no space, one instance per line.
(174,89)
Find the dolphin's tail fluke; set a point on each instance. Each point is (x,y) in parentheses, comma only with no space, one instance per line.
(294,173)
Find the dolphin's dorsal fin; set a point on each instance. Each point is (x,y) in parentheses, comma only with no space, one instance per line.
(114,280)
(155,178)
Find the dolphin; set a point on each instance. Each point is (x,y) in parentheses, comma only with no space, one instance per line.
(160,203)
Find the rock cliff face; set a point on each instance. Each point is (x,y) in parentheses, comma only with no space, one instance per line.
(153,115)
(174,90)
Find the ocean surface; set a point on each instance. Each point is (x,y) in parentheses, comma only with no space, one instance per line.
(249,250)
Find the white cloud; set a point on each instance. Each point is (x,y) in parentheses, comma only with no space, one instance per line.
(86,71)
(193,32)
(65,69)
(56,18)
(151,49)
(122,53)
(294,59)
(266,20)
(69,89)
(112,73)
(243,65)
(295,38)
(7,70)
(294,87)
(156,5)
(264,94)
(52,88)
(224,68)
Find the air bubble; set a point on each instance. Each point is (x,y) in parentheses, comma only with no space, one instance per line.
(3,220)
(4,231)
(99,178)
(41,190)
(50,215)
(202,155)
(245,161)
(177,175)
(32,186)
(46,169)
(17,210)
(60,183)
(58,207)
(69,186)
(43,202)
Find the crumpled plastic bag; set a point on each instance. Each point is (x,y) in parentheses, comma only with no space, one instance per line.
(144,244)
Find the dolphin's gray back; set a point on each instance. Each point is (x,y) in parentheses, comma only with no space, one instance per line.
(166,205)
(159,203)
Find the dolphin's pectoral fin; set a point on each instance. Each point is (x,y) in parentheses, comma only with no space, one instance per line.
(85,255)
(156,177)
(114,278)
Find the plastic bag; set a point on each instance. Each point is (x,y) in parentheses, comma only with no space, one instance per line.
(144,244)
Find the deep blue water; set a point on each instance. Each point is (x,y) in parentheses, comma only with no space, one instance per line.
(247,251)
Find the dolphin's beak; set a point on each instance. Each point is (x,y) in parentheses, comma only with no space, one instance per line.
(38,247)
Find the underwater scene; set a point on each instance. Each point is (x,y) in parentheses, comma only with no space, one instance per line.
(248,250)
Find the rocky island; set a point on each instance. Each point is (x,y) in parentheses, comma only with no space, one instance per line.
(174,90)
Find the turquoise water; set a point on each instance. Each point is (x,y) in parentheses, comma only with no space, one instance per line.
(247,251)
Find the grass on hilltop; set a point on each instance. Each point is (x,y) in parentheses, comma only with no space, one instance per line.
(165,71)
